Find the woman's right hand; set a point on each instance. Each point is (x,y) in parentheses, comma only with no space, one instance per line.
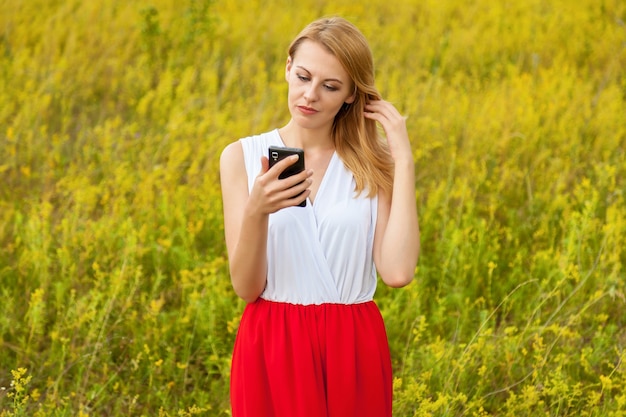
(246,215)
(270,193)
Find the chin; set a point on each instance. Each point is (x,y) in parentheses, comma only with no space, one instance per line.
(311,122)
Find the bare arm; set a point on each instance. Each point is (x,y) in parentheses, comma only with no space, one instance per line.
(246,215)
(397,237)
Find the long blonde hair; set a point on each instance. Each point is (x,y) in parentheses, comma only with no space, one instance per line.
(357,141)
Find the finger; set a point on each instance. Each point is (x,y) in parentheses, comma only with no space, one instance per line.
(378,117)
(384,108)
(265,165)
(298,195)
(377,114)
(291,196)
(283,164)
(296,179)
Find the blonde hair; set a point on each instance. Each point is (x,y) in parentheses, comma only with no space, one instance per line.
(357,141)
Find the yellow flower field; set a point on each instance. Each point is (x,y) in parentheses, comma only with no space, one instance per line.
(115,298)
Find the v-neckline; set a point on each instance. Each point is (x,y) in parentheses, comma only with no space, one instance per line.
(323,180)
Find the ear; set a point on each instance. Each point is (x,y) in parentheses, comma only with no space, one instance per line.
(351,99)
(288,68)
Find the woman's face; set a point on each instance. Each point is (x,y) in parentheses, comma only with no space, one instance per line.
(318,86)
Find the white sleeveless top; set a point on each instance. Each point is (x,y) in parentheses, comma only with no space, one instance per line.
(321,253)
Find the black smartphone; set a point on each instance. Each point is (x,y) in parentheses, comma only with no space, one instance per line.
(277,153)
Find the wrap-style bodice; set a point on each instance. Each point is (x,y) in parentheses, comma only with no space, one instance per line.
(321,253)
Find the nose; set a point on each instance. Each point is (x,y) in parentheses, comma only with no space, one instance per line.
(310,94)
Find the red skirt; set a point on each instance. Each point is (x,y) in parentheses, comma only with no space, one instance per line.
(329,360)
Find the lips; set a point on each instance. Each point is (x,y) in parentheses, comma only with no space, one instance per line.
(307,110)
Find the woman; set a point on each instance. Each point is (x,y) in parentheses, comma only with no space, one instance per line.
(311,341)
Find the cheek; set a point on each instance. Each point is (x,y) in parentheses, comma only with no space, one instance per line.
(338,104)
(294,90)
(291,94)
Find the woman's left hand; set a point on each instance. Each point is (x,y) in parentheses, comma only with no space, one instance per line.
(396,241)
(394,125)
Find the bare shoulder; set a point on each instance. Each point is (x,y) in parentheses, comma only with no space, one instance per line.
(232,166)
(232,155)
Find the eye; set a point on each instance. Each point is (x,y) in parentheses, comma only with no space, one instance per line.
(303,78)
(330,87)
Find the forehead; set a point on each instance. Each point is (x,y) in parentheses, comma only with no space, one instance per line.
(315,58)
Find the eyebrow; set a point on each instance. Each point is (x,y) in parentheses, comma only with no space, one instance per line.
(327,79)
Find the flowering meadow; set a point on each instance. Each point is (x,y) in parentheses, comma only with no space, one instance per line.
(115,298)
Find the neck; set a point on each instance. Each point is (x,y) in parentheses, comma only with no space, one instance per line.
(311,139)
